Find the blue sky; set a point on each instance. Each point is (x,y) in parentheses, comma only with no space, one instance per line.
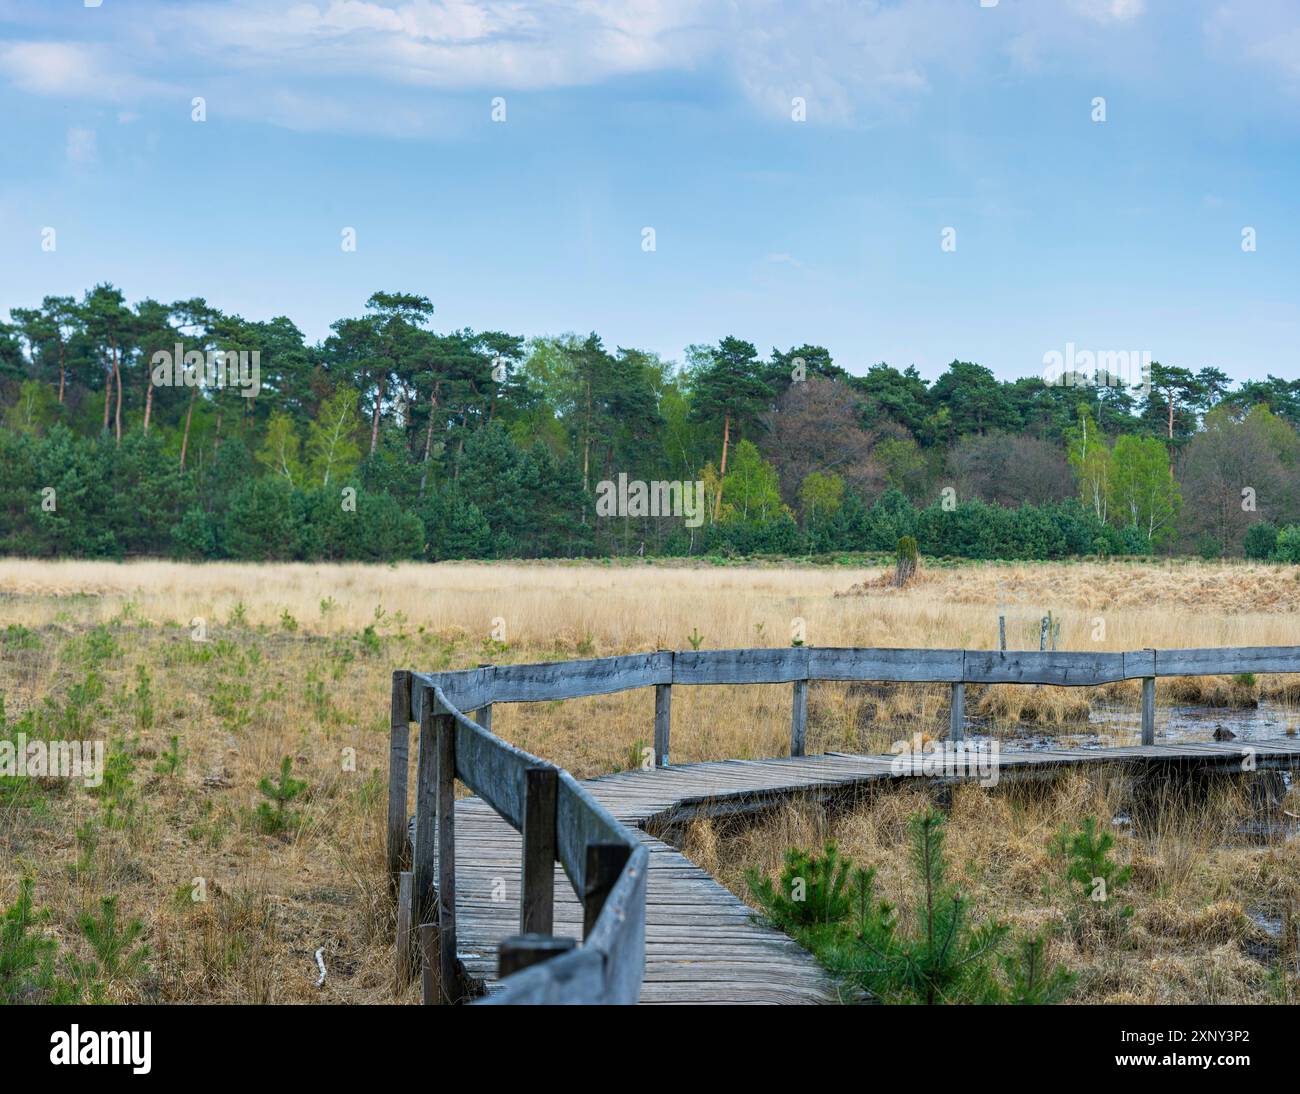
(921,115)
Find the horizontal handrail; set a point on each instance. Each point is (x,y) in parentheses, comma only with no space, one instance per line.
(471,689)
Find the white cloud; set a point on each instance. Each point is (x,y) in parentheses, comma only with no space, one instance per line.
(1110,11)
(1264,32)
(450,44)
(72,70)
(366,66)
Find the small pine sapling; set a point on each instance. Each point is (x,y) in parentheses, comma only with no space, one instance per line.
(272,815)
(172,758)
(1092,878)
(119,954)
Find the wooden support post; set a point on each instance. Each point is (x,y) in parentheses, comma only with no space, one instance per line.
(448,975)
(1148,710)
(1002,632)
(520,951)
(663,722)
(399,741)
(799,718)
(484,713)
(1042,633)
(537,887)
(426,811)
(957,713)
(405,943)
(604,864)
(430,990)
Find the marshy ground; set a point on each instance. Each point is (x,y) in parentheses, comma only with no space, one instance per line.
(201,679)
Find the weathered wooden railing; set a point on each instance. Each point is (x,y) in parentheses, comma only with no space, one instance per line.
(602,858)
(559,822)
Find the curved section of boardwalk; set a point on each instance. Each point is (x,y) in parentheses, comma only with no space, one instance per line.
(702,943)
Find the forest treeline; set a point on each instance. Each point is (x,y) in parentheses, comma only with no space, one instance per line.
(391,440)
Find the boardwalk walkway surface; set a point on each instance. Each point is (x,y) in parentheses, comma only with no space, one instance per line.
(702,943)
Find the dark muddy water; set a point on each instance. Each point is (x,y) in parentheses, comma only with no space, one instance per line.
(1108,727)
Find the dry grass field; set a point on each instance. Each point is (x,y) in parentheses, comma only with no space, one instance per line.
(203,678)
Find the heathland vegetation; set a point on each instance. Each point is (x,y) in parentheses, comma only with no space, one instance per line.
(389,440)
(239,826)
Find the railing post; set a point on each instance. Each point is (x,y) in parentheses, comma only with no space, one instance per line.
(537,887)
(447,970)
(521,951)
(799,718)
(1002,632)
(426,810)
(399,743)
(663,722)
(430,990)
(484,713)
(604,864)
(957,713)
(1148,710)
(405,943)
(1043,624)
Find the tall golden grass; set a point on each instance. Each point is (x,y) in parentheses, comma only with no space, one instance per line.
(298,662)
(1195,881)
(1118,605)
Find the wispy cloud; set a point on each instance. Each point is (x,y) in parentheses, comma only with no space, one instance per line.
(1110,11)
(1264,32)
(384,67)
(73,70)
(452,45)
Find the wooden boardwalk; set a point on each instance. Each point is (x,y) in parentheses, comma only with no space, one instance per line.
(702,943)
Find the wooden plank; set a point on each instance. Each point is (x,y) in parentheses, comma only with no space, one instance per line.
(799,718)
(579,822)
(475,689)
(423,861)
(904,665)
(399,762)
(523,951)
(492,768)
(572,679)
(1067,669)
(575,978)
(663,722)
(483,715)
(619,931)
(430,989)
(1139,663)
(468,689)
(1148,710)
(405,941)
(537,882)
(448,974)
(1227,662)
(750,666)
(957,713)
(604,865)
